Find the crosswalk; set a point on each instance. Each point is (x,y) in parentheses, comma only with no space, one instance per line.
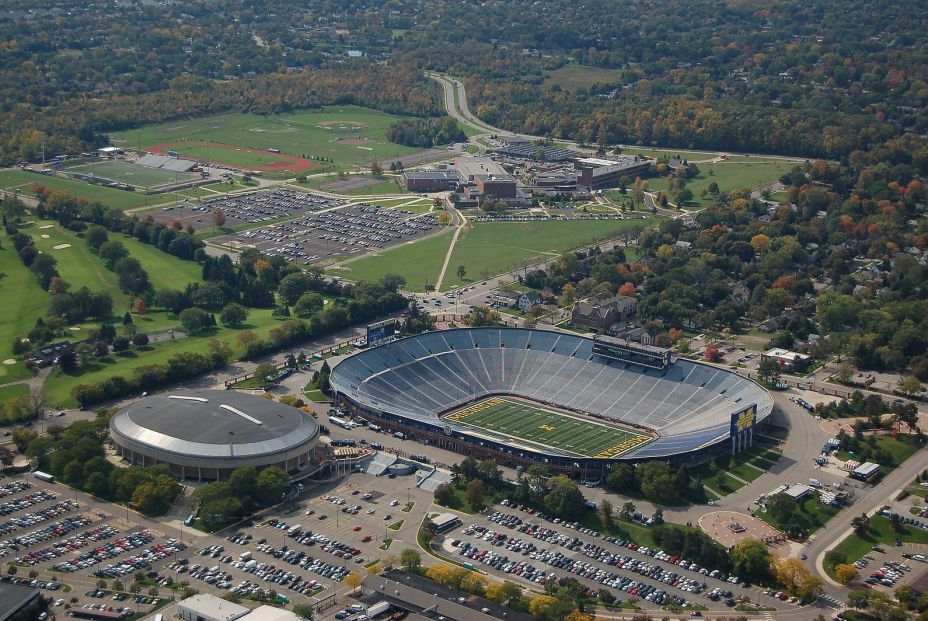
(830,601)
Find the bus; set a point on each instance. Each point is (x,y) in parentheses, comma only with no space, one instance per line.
(43,476)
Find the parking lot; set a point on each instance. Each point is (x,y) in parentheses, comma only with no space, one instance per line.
(247,208)
(531,549)
(333,233)
(303,552)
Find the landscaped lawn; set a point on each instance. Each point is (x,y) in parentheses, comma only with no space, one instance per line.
(13,392)
(812,515)
(880,532)
(728,175)
(24,301)
(330,132)
(899,448)
(483,248)
(59,385)
(572,76)
(419,262)
(120,199)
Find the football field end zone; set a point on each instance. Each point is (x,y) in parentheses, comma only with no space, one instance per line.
(528,422)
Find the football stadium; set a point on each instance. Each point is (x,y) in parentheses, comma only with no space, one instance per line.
(523,396)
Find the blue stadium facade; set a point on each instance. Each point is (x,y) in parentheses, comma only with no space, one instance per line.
(407,386)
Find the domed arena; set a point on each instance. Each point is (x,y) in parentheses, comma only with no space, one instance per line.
(206,434)
(524,396)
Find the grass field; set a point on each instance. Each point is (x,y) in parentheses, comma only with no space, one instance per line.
(24,302)
(570,77)
(120,199)
(483,248)
(58,386)
(729,175)
(547,428)
(305,133)
(124,172)
(15,391)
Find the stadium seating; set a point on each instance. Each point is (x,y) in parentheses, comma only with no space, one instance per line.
(688,404)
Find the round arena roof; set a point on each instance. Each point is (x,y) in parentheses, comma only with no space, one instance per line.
(212,425)
(686,404)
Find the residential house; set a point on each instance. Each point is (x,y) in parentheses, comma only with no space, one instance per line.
(528,300)
(600,314)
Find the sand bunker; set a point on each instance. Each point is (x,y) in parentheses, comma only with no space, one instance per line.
(44,236)
(61,246)
(47,226)
(9,361)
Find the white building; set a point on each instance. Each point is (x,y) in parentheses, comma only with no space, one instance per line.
(205,607)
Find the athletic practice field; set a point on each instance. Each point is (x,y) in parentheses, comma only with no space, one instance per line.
(548,428)
(125,172)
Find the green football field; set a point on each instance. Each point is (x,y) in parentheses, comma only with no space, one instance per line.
(547,428)
(125,172)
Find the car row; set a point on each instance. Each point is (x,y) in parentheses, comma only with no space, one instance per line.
(106,551)
(143,559)
(24,502)
(37,517)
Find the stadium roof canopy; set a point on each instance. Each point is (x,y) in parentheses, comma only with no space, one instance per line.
(214,423)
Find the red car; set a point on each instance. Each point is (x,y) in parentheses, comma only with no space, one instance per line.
(356,528)
(366,538)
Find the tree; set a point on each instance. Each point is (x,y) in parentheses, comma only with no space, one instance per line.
(264,372)
(859,599)
(411,560)
(845,573)
(910,386)
(751,559)
(768,370)
(844,374)
(605,507)
(194,319)
(270,486)
(782,507)
(444,494)
(564,500)
(233,315)
(461,272)
(792,574)
(219,217)
(628,509)
(475,494)
(303,610)
(861,524)
(308,304)
(712,353)
(482,316)
(354,580)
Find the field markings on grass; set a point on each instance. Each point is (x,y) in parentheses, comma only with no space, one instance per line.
(548,428)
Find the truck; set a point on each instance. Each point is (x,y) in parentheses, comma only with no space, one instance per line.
(43,476)
(341,422)
(400,435)
(245,556)
(378,609)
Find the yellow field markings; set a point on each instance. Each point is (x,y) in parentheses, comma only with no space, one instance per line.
(622,447)
(546,427)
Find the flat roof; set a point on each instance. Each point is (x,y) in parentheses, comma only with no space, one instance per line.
(212,606)
(866,468)
(785,354)
(444,518)
(443,175)
(270,613)
(473,166)
(13,597)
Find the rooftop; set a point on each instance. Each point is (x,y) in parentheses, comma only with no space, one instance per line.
(214,607)
(14,597)
(473,166)
(200,421)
